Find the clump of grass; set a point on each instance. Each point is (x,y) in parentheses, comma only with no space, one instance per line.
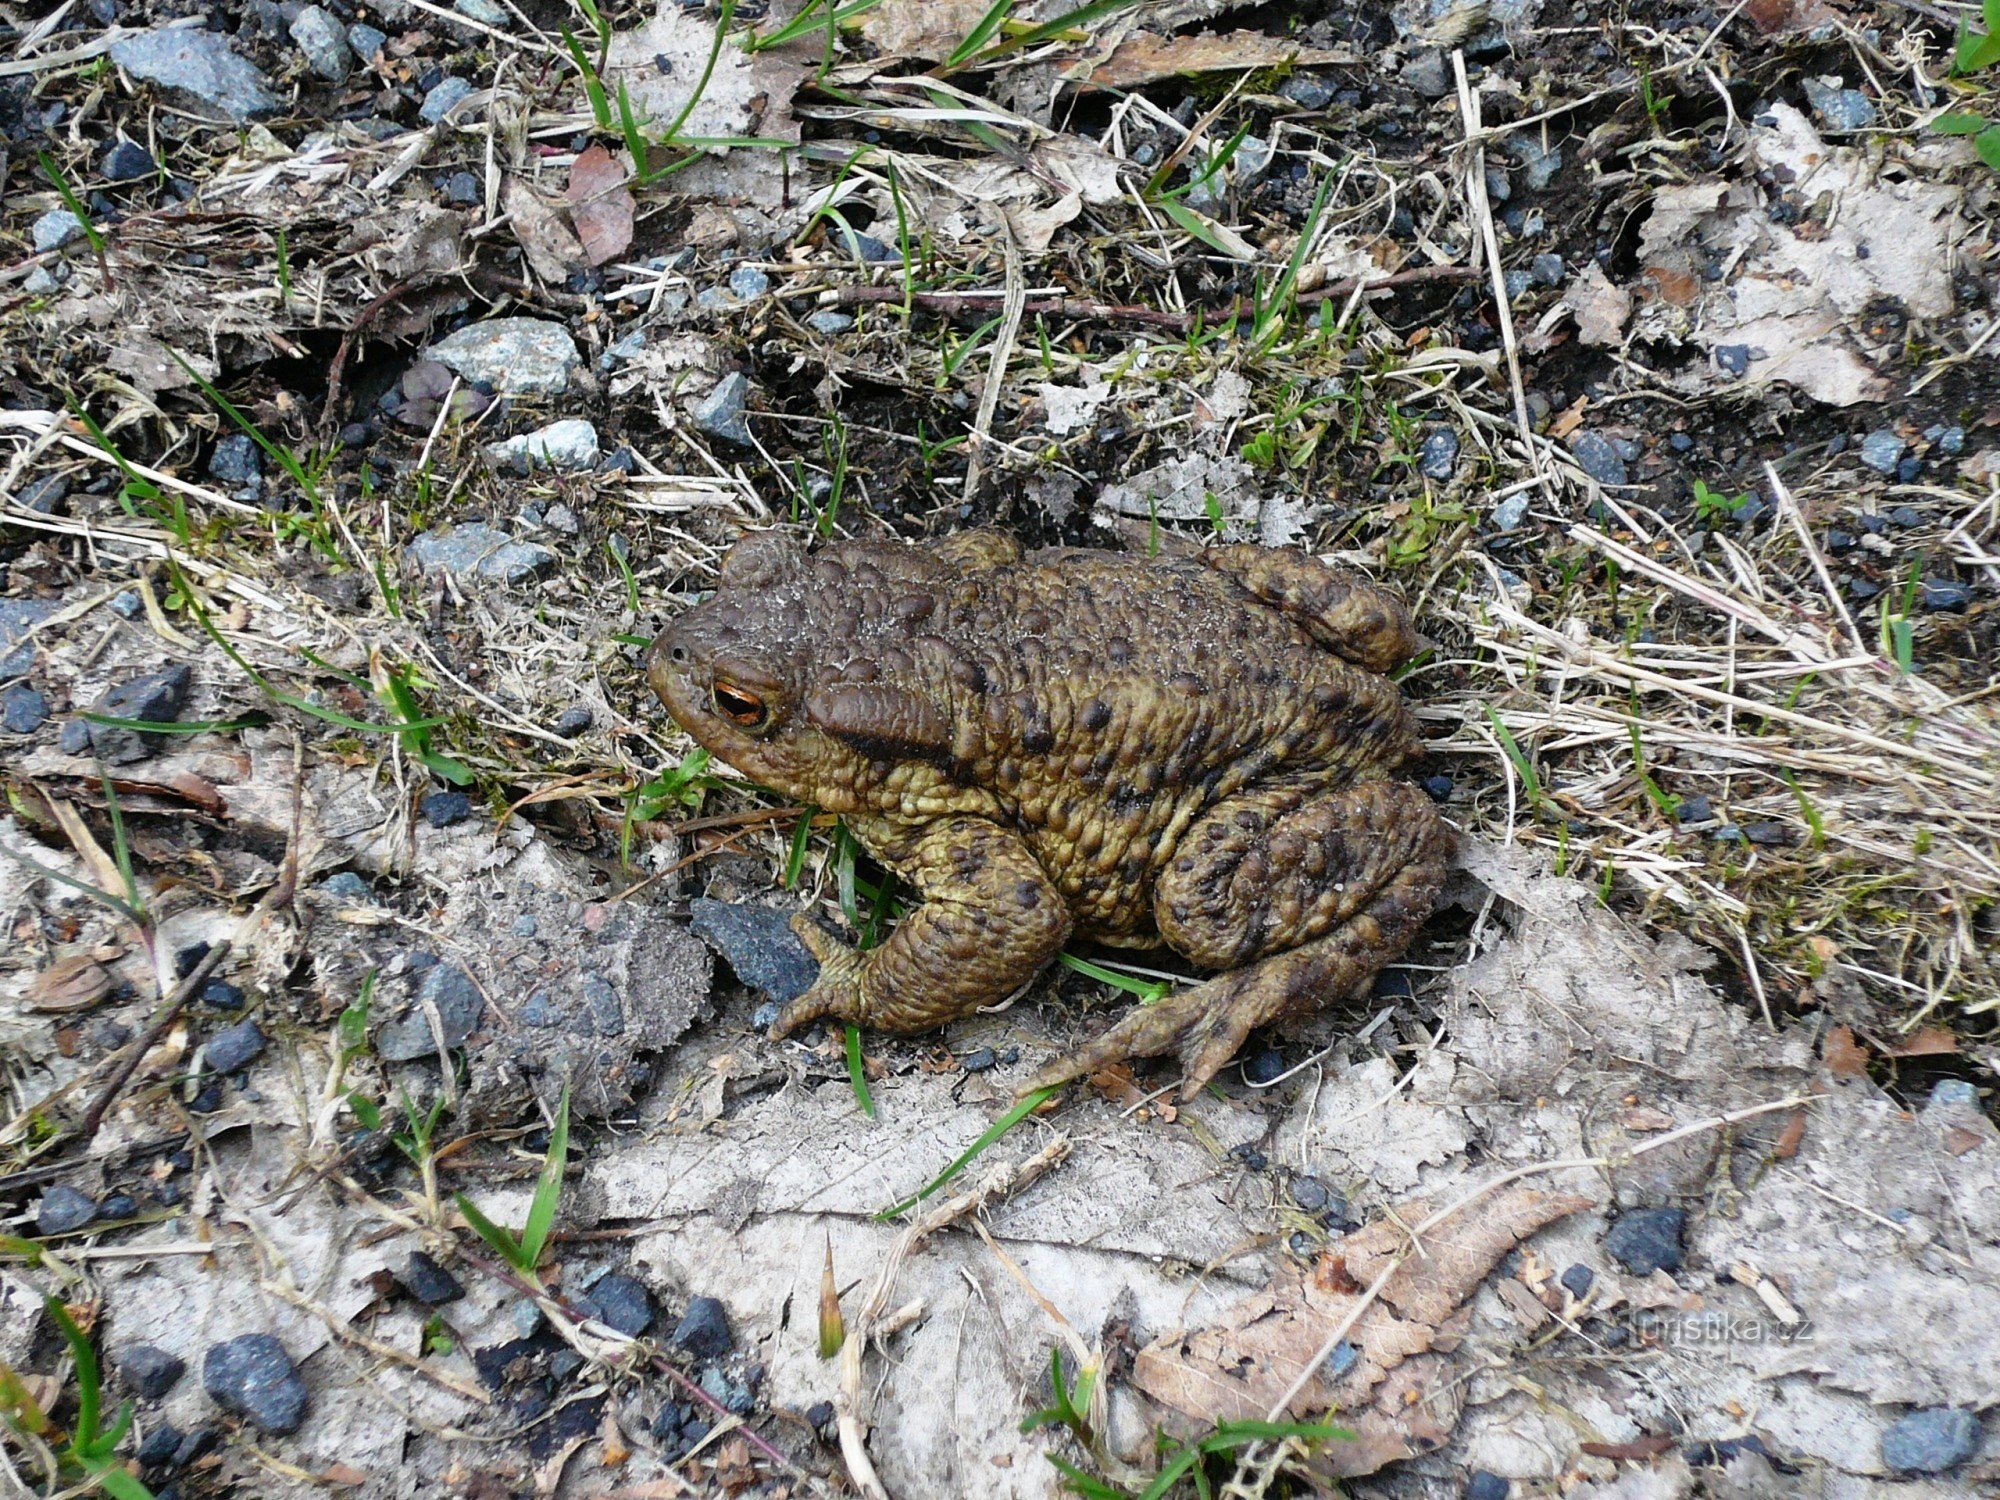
(523,1250)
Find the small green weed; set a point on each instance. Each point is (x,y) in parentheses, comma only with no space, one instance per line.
(1071,1404)
(523,1251)
(679,785)
(1712,506)
(91,1449)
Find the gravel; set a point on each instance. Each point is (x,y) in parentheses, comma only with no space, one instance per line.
(720,412)
(1882,451)
(1839,108)
(759,945)
(162,1443)
(516,356)
(1599,458)
(253,1377)
(1437,455)
(623,1303)
(477,550)
(703,1330)
(1307,90)
(444,809)
(1511,512)
(234,1047)
(63,1210)
(1931,1441)
(442,98)
(236,463)
(747,283)
(1264,1067)
(1647,1240)
(568,444)
(200,65)
(366,41)
(17,618)
(55,229)
(151,1371)
(1483,1484)
(460,1009)
(153,697)
(23,709)
(1578,1280)
(429,1282)
(572,721)
(830,321)
(324,44)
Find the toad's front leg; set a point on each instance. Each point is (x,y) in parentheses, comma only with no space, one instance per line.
(990,920)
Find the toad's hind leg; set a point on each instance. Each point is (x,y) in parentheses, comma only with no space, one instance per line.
(1345,611)
(1310,894)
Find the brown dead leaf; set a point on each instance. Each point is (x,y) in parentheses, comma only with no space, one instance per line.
(1789,1137)
(1774,16)
(599,206)
(344,1474)
(1568,419)
(554,253)
(929,29)
(1845,1057)
(1674,287)
(1639,1450)
(1644,1119)
(1398,1390)
(1958,1140)
(73,983)
(1147,57)
(1926,1041)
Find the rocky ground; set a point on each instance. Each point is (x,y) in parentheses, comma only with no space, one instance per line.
(378,377)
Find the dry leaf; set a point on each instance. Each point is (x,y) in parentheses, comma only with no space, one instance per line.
(554,253)
(1147,57)
(1677,288)
(1600,307)
(1958,1140)
(1845,1057)
(599,206)
(1398,1390)
(1926,1041)
(73,983)
(929,29)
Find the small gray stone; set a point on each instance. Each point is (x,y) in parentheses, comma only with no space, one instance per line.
(1578,1280)
(253,1377)
(572,721)
(1733,358)
(1647,1240)
(1839,108)
(1598,456)
(44,281)
(366,41)
(1518,281)
(1307,90)
(623,1303)
(1539,163)
(483,11)
(460,1008)
(1511,512)
(1437,455)
(720,412)
(1951,441)
(1948,1091)
(607,1012)
(150,1371)
(55,229)
(560,519)
(704,1330)
(1547,268)
(127,162)
(747,283)
(868,248)
(568,444)
(438,103)
(1499,187)
(64,1210)
(74,738)
(830,321)
(1882,450)
(324,44)
(1252,160)
(483,552)
(23,709)
(200,64)
(516,356)
(348,886)
(46,495)
(759,944)
(236,463)
(1931,1441)
(1428,75)
(127,604)
(234,1047)
(429,1282)
(17,618)
(152,697)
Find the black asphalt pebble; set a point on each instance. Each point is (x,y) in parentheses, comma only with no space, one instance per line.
(1647,1240)
(758,943)
(443,809)
(979,1060)
(572,721)
(235,1047)
(1264,1067)
(23,709)
(1720,1452)
(1770,835)
(118,1206)
(820,1414)
(1954,598)
(1253,1159)
(703,1330)
(1578,1280)
(253,1377)
(151,1372)
(429,1282)
(153,697)
(74,737)
(63,1210)
(162,1442)
(127,162)
(188,959)
(1482,1484)
(1311,1194)
(623,1303)
(1931,1440)
(1439,787)
(197,1444)
(1695,809)
(1599,458)
(220,994)
(208,1101)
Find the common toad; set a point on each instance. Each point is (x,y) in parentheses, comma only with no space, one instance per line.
(1197,750)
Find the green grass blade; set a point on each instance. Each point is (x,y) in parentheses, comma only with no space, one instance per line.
(548,1190)
(1523,767)
(980,35)
(88,1384)
(1021,1110)
(722,21)
(178,726)
(1148,990)
(1190,222)
(857,1074)
(283,457)
(502,1240)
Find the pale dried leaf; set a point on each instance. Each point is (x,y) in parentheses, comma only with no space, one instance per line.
(554,252)
(929,29)
(75,982)
(1146,57)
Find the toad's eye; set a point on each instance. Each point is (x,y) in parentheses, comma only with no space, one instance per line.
(740,706)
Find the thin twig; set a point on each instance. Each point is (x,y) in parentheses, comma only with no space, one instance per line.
(140,1046)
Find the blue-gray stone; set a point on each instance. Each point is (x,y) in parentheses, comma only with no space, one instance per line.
(1511,512)
(759,944)
(17,618)
(720,412)
(64,1210)
(1437,455)
(1498,187)
(1427,74)
(1734,358)
(1578,1280)
(623,1303)
(443,809)
(1547,268)
(1343,1357)
(254,1378)
(568,444)
(541,1011)
(748,283)
(607,1013)
(200,64)
(703,1330)
(1307,90)
(1647,1240)
(1955,598)
(1931,1441)
(1598,457)
(1539,163)
(367,41)
(347,885)
(572,721)
(1954,1091)
(1882,451)
(439,101)
(462,188)
(153,698)
(127,162)
(235,1047)
(1951,442)
(483,552)
(74,737)
(1518,280)
(163,1441)
(516,356)
(429,1282)
(152,1372)
(1484,1484)
(45,495)
(460,1007)
(830,321)
(236,462)
(1838,108)
(484,11)
(324,44)
(23,709)
(524,925)
(55,229)
(127,604)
